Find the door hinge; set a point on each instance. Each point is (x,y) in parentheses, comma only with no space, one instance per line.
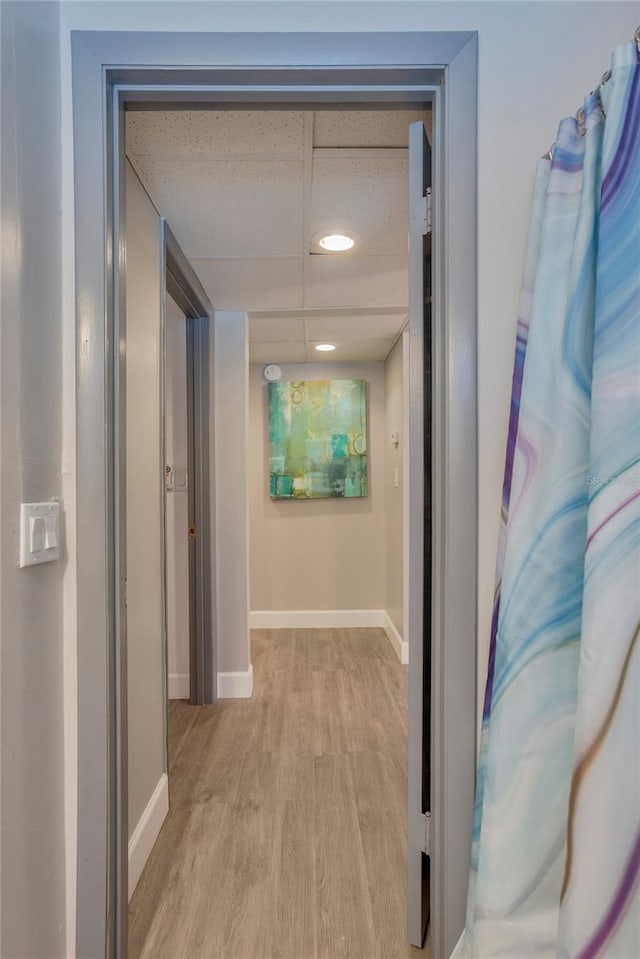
(421,832)
(125,593)
(421,214)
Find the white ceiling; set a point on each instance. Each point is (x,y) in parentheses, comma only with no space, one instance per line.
(245,193)
(359,336)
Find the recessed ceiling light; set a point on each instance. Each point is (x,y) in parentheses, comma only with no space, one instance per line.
(325,347)
(337,242)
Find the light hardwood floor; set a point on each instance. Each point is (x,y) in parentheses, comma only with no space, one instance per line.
(286,836)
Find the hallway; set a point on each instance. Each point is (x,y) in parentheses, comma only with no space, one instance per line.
(286,836)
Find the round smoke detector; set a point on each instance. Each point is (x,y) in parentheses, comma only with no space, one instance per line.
(272,373)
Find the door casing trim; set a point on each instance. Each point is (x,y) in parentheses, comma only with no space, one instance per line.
(114,69)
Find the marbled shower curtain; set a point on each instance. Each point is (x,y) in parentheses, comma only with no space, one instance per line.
(556,847)
(600,909)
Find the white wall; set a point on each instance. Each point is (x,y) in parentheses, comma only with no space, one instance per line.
(32,775)
(177,502)
(145,638)
(319,554)
(394,411)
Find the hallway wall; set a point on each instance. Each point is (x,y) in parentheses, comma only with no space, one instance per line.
(324,554)
(32,715)
(145,624)
(230,375)
(177,502)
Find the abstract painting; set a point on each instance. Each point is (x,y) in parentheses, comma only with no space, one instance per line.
(318,439)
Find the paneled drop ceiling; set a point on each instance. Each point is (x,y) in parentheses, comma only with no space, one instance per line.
(246,192)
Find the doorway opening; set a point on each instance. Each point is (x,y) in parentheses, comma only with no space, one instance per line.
(247,194)
(381,68)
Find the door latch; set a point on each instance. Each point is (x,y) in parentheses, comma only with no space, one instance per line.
(421,214)
(420,832)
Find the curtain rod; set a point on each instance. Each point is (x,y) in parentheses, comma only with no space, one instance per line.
(579,115)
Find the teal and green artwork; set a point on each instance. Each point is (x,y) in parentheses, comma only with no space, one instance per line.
(318,439)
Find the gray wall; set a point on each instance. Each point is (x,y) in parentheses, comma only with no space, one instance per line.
(393,493)
(230,363)
(145,640)
(31,655)
(323,554)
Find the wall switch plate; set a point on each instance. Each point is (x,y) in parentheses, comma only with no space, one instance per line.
(39,533)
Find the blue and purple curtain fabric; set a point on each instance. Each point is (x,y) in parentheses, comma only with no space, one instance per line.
(555,864)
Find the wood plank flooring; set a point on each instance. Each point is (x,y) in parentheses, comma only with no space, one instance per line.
(286,836)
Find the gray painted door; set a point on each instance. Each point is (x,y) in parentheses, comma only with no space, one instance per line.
(418,529)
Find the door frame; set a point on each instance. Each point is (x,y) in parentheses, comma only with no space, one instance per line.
(111,70)
(182,284)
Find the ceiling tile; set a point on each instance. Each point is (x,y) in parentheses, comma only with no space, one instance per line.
(364,128)
(275,328)
(350,329)
(252,284)
(366,197)
(357,281)
(236,203)
(228,208)
(208,133)
(366,351)
(276,353)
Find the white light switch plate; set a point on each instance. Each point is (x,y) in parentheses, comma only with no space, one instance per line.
(39,533)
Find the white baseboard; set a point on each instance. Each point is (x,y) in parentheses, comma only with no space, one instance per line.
(146,832)
(401,647)
(236,685)
(178,686)
(315,618)
(331,619)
